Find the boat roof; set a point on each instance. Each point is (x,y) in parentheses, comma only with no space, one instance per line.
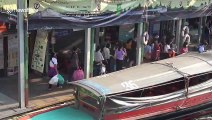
(149,74)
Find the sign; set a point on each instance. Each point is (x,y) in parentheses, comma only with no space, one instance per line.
(38,58)
(8,4)
(63,6)
(1,53)
(82,6)
(89,6)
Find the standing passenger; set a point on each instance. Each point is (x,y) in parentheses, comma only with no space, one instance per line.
(185,48)
(120,53)
(107,55)
(98,59)
(132,54)
(74,62)
(53,64)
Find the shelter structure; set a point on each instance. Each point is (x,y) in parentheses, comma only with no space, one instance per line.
(90,15)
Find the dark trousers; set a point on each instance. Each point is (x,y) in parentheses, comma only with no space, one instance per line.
(97,70)
(119,64)
(107,64)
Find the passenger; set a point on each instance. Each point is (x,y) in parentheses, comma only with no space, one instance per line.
(202,47)
(132,54)
(148,51)
(171,53)
(167,50)
(98,61)
(129,46)
(162,44)
(167,47)
(156,51)
(74,61)
(186,36)
(120,53)
(53,64)
(185,48)
(107,56)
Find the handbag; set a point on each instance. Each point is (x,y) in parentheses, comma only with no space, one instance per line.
(78,75)
(53,80)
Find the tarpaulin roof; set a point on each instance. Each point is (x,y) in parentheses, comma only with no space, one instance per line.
(68,14)
(149,74)
(50,19)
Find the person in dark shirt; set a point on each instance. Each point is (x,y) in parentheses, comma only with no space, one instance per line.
(74,62)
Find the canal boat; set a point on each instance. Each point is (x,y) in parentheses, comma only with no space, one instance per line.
(167,87)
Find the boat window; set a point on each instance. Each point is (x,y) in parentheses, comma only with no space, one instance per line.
(166,88)
(161,89)
(88,101)
(198,79)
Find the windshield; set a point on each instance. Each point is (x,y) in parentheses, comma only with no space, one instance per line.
(88,100)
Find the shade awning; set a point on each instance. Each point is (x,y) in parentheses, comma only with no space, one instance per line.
(45,19)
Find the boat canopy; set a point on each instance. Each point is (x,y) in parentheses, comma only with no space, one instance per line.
(149,74)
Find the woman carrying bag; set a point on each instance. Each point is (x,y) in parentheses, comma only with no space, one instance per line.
(53,71)
(74,63)
(53,66)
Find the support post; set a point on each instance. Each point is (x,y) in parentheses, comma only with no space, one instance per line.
(93,36)
(178,35)
(140,46)
(97,30)
(87,52)
(173,27)
(203,28)
(21,76)
(26,62)
(200,30)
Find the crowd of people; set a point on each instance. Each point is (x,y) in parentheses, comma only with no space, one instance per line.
(114,57)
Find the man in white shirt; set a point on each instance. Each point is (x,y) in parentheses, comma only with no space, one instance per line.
(107,55)
(167,47)
(98,59)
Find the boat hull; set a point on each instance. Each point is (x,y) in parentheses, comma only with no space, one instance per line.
(153,112)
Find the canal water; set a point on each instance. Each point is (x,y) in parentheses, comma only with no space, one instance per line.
(66,113)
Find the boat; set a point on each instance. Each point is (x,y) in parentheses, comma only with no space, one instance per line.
(148,91)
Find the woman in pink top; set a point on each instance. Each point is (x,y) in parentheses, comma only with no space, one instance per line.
(185,48)
(120,53)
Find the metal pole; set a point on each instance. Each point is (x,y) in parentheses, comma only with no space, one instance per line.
(21,82)
(200,30)
(173,28)
(87,52)
(97,36)
(178,35)
(139,54)
(26,63)
(92,50)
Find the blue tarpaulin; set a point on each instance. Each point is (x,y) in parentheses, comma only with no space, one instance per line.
(49,19)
